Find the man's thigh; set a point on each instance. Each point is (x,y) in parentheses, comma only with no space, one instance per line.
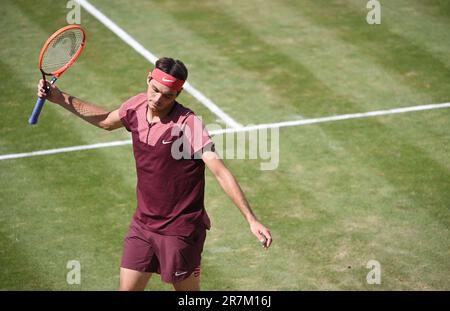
(132,280)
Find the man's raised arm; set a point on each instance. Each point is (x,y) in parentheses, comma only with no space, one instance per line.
(90,113)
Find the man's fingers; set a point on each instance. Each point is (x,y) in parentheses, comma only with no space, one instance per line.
(269,242)
(43,88)
(262,234)
(41,92)
(40,87)
(41,83)
(265,239)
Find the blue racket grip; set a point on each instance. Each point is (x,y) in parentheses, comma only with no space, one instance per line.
(36,111)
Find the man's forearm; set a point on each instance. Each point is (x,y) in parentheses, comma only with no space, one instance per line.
(232,189)
(88,112)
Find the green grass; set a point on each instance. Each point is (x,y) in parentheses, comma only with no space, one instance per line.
(344,192)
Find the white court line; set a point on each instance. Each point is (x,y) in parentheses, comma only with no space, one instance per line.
(243,129)
(152,58)
(63,150)
(338,118)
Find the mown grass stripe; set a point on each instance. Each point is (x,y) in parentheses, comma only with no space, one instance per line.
(389,65)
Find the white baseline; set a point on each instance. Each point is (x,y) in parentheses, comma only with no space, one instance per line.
(242,129)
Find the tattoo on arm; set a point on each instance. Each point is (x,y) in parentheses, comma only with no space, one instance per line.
(88,112)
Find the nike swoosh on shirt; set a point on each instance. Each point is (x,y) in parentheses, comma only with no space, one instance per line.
(167,80)
(180,273)
(166,142)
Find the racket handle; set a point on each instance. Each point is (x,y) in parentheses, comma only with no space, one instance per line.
(36,111)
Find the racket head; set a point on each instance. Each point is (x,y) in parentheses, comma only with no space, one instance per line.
(61,50)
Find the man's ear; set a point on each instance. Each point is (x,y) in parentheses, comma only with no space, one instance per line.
(178,93)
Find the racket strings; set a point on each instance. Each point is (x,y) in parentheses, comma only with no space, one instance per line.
(61,50)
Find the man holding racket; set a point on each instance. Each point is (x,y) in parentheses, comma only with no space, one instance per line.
(168,229)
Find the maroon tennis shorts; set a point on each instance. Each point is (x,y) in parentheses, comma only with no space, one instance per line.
(173,257)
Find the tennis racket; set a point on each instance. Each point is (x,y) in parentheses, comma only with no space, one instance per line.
(58,53)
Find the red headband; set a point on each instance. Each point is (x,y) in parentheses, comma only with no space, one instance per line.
(167,80)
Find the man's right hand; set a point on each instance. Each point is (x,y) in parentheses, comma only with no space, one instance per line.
(54,94)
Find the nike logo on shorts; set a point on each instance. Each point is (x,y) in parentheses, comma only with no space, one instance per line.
(180,273)
(166,142)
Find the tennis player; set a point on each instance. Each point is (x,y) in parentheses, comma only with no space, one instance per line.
(171,147)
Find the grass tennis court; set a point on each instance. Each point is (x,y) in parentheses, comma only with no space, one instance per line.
(344,192)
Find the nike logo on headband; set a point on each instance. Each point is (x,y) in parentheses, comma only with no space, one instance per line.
(167,80)
(172,82)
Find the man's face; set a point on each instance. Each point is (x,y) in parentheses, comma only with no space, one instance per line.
(159,97)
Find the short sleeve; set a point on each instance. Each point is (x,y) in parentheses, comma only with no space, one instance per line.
(197,135)
(123,109)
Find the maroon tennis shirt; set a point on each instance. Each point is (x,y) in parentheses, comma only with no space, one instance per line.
(170,189)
